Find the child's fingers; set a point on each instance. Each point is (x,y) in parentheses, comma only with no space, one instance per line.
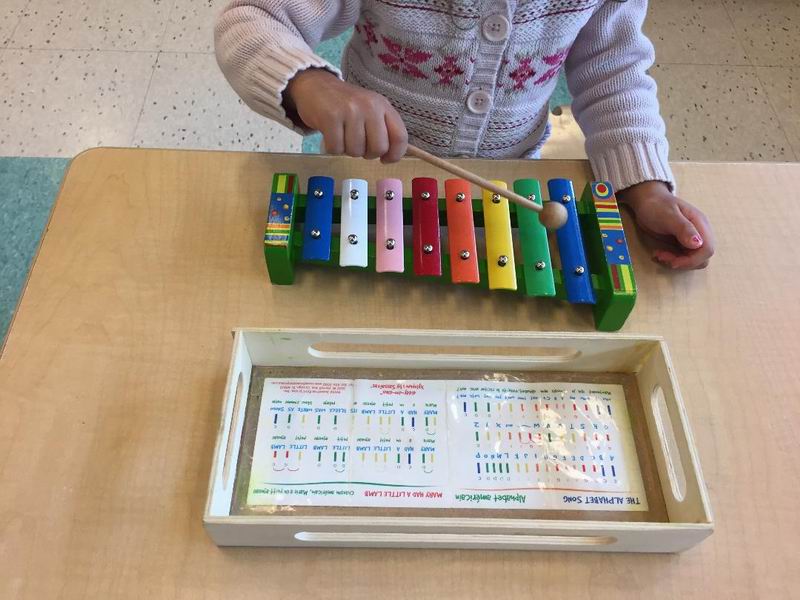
(691,259)
(698,258)
(695,259)
(398,137)
(665,257)
(687,241)
(377,137)
(701,223)
(685,231)
(689,262)
(354,138)
(333,138)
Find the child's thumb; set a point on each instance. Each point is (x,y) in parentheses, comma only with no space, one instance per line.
(686,233)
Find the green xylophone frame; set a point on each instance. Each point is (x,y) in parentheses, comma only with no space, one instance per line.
(612,305)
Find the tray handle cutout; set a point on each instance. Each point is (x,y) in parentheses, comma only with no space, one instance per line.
(452,539)
(467,354)
(237,399)
(669,446)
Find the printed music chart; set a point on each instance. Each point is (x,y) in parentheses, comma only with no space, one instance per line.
(445,444)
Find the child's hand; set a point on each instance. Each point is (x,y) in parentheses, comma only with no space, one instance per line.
(353,121)
(675,221)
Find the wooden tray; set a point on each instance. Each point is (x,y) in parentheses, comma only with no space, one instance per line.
(678,514)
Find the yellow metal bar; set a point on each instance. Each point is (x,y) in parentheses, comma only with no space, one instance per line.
(499,244)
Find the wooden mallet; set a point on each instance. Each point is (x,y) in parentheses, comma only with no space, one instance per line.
(551,214)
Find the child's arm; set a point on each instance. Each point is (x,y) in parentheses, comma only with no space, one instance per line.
(264,48)
(262,44)
(615,104)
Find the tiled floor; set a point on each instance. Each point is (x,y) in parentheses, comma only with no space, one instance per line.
(80,73)
(724,73)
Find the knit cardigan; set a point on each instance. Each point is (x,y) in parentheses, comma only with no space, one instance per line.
(470,78)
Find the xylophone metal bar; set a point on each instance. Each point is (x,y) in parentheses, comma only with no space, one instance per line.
(461,232)
(610,276)
(499,243)
(319,218)
(536,261)
(425,222)
(354,241)
(574,264)
(389,244)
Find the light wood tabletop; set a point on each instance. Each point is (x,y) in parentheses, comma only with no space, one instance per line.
(112,376)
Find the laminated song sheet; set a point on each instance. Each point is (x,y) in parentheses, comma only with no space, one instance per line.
(444,444)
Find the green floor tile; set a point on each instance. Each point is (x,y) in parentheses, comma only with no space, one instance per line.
(28,187)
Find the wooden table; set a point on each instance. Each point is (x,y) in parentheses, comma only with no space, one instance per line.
(112,375)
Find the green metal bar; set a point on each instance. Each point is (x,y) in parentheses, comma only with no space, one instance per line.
(536,261)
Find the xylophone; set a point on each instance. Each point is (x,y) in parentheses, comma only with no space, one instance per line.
(323,227)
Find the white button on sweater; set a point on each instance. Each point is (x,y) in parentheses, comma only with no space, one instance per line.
(496,28)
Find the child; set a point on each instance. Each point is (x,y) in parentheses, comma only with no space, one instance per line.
(469,78)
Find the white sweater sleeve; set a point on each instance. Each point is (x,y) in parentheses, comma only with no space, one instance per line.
(615,100)
(261,44)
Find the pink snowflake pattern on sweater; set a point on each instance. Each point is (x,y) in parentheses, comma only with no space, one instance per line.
(522,73)
(448,70)
(404,59)
(554,61)
(367,32)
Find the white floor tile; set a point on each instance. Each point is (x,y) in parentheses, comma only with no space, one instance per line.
(693,33)
(191,25)
(782,85)
(190,105)
(718,113)
(768,30)
(10,14)
(62,102)
(93,25)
